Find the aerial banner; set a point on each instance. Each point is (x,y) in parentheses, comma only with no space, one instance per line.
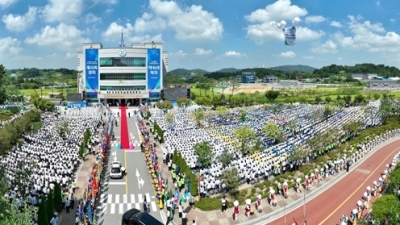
(92,71)
(154,72)
(290,36)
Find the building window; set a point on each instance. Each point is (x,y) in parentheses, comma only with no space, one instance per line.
(122,76)
(123,62)
(118,88)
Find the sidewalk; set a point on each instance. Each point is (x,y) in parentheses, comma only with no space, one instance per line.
(284,206)
(82,181)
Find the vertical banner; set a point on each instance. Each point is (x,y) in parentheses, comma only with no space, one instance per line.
(290,36)
(154,72)
(92,71)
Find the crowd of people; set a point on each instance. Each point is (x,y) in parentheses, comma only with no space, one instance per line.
(183,134)
(15,116)
(46,157)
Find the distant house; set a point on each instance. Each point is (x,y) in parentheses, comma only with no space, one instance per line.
(384,84)
(247,77)
(13,75)
(270,79)
(364,76)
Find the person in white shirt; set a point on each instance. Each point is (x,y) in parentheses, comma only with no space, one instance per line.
(54,220)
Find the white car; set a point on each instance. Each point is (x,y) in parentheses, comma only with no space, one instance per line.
(117,170)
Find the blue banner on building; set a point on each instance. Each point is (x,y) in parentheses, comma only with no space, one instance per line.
(154,72)
(76,104)
(92,71)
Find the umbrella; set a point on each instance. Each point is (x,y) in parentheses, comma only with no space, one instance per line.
(272,191)
(259,196)
(248,201)
(89,212)
(355,211)
(368,188)
(236,203)
(298,179)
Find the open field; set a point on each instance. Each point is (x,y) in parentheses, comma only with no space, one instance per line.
(28,92)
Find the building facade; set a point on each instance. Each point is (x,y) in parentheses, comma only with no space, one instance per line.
(393,85)
(270,79)
(124,75)
(247,78)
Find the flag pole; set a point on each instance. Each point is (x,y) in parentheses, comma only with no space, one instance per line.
(304,207)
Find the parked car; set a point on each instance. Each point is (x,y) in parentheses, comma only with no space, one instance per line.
(137,217)
(117,170)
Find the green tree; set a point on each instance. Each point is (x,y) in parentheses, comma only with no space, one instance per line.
(318,99)
(272,95)
(57,197)
(328,110)
(243,115)
(204,153)
(183,102)
(272,130)
(376,96)
(299,152)
(385,109)
(245,136)
(50,204)
(63,129)
(43,215)
(386,209)
(225,157)
(222,111)
(231,178)
(328,99)
(169,118)
(235,84)
(352,127)
(198,116)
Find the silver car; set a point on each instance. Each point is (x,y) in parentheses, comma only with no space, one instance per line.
(117,170)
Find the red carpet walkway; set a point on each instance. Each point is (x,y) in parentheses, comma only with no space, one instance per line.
(342,197)
(124,128)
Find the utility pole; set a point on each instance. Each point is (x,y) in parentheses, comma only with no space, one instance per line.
(305,220)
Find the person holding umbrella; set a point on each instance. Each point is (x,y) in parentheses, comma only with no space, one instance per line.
(247,208)
(235,210)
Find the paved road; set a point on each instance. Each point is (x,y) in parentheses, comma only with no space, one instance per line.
(118,196)
(341,198)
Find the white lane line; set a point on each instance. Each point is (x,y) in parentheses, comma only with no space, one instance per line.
(140,197)
(109,199)
(116,183)
(112,208)
(148,197)
(129,205)
(137,206)
(121,209)
(132,198)
(153,206)
(117,198)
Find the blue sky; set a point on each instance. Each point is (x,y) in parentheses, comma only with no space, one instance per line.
(206,34)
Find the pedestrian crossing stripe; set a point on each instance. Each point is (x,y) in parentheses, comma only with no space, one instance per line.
(120,203)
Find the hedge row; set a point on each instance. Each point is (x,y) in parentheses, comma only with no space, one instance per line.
(12,132)
(159,132)
(84,145)
(50,204)
(348,147)
(178,160)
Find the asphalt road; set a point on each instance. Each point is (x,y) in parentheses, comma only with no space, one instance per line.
(120,195)
(341,198)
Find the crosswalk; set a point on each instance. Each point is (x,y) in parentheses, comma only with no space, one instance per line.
(120,203)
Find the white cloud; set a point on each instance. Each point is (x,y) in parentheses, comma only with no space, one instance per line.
(180,54)
(392,20)
(63,11)
(113,33)
(315,19)
(6,3)
(327,47)
(20,23)
(280,10)
(9,45)
(148,23)
(288,54)
(191,23)
(336,24)
(309,57)
(109,2)
(202,51)
(378,3)
(91,18)
(65,37)
(234,54)
(371,37)
(266,28)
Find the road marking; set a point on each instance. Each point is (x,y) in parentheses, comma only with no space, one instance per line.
(116,198)
(361,185)
(116,183)
(137,206)
(140,197)
(129,206)
(109,199)
(133,151)
(148,197)
(125,198)
(132,198)
(121,209)
(364,171)
(153,206)
(112,208)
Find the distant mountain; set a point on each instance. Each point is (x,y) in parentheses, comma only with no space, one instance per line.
(228,70)
(291,68)
(186,72)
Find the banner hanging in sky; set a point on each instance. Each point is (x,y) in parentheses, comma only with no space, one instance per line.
(290,36)
(154,72)
(92,71)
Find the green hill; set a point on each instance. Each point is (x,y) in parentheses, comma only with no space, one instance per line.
(292,68)
(186,72)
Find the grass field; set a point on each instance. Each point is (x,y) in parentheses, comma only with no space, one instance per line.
(28,92)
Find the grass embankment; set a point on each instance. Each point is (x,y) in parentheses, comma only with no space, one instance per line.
(262,188)
(6,114)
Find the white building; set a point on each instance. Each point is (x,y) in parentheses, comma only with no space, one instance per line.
(122,75)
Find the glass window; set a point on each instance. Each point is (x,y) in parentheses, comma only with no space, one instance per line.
(122,76)
(123,62)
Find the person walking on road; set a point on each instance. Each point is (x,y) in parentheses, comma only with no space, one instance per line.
(224,205)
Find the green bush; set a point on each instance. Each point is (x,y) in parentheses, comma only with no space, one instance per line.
(43,218)
(57,197)
(159,132)
(50,204)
